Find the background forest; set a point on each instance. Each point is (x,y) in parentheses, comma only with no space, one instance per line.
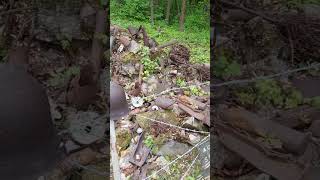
(184,20)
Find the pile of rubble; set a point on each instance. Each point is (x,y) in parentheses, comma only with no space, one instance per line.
(169,105)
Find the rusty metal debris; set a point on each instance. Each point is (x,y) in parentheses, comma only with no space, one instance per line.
(296,163)
(140,152)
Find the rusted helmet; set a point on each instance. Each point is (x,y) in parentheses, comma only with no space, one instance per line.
(29,144)
(118,102)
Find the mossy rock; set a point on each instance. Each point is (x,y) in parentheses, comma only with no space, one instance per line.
(123,138)
(129,57)
(163,116)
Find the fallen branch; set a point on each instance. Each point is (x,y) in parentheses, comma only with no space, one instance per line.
(265,77)
(158,48)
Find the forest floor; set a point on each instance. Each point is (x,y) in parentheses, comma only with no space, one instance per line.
(55,60)
(266,91)
(166,133)
(198,41)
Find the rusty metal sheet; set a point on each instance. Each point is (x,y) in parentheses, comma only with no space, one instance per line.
(140,152)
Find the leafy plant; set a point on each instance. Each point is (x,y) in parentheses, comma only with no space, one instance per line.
(149,141)
(269,92)
(149,65)
(61,78)
(197,91)
(225,68)
(65,44)
(293,99)
(181,82)
(246,98)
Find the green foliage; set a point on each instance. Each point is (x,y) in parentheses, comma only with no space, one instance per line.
(149,65)
(197,91)
(190,178)
(246,98)
(293,99)
(65,44)
(63,76)
(225,68)
(132,9)
(269,92)
(197,29)
(149,141)
(181,82)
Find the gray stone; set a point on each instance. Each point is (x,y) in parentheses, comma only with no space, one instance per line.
(192,123)
(173,148)
(164,103)
(87,127)
(70,146)
(134,47)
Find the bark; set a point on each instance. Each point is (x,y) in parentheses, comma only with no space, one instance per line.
(169,4)
(152,12)
(183,14)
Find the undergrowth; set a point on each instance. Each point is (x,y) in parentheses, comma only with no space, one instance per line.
(197,28)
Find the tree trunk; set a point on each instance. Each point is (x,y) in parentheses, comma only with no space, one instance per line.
(152,12)
(178,8)
(183,14)
(169,4)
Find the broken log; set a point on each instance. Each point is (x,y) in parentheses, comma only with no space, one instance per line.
(293,141)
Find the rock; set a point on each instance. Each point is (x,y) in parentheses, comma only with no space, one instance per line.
(139,130)
(134,47)
(70,146)
(58,18)
(222,156)
(311,10)
(192,123)
(164,116)
(128,69)
(177,110)
(173,148)
(204,158)
(161,162)
(88,175)
(164,103)
(87,127)
(124,40)
(315,128)
(194,139)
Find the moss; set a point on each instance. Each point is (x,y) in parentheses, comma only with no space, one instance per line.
(123,138)
(164,116)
